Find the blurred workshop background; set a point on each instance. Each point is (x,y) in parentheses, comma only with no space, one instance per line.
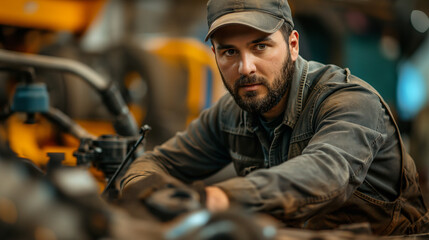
(153,53)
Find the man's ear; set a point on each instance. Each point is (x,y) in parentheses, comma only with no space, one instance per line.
(213,50)
(294,45)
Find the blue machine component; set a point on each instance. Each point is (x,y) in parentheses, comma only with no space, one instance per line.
(31,98)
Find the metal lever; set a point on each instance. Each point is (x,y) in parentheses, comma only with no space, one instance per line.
(143,131)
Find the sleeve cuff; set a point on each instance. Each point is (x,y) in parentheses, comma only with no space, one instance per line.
(240,190)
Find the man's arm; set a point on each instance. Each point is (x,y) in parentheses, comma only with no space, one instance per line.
(190,155)
(349,131)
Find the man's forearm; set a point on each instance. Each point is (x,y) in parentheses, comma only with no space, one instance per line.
(139,169)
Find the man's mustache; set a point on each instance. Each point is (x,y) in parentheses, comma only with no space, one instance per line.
(249,80)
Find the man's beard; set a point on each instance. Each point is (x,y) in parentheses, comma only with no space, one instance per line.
(275,93)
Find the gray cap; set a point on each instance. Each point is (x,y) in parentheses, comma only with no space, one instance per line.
(264,15)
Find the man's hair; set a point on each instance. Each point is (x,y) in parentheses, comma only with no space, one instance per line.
(286,29)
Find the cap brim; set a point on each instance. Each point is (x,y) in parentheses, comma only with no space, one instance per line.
(263,22)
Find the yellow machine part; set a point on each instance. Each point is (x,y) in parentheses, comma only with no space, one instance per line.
(34,141)
(56,15)
(197,57)
(26,139)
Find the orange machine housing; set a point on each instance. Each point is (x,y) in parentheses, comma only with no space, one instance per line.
(56,15)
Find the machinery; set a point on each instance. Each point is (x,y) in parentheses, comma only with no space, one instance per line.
(31,98)
(45,107)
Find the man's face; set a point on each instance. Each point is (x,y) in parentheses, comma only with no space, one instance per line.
(256,67)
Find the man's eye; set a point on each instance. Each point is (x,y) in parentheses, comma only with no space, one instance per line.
(261,46)
(230,52)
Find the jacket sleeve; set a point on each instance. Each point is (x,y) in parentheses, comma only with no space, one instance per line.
(193,154)
(349,130)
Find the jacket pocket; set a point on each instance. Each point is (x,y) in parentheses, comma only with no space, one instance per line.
(383,216)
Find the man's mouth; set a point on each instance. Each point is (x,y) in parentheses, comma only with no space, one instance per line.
(250,87)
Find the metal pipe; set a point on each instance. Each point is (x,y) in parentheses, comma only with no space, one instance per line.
(67,124)
(54,63)
(124,123)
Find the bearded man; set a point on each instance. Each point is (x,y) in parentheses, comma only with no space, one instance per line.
(312,144)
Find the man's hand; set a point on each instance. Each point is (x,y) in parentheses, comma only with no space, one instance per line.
(216,199)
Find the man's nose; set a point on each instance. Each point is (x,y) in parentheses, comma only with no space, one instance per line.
(247,65)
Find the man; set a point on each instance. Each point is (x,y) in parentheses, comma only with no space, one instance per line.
(312,144)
